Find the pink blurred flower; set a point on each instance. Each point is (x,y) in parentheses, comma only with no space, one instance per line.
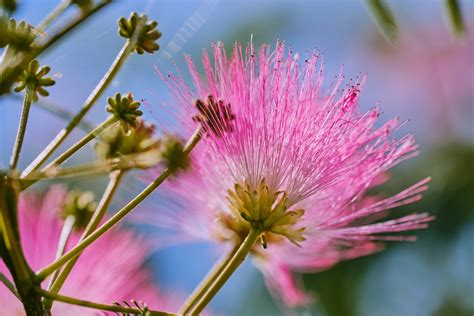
(432,65)
(111,270)
(282,152)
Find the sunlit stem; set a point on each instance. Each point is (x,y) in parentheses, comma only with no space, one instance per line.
(49,169)
(98,306)
(125,162)
(99,89)
(83,141)
(8,284)
(66,231)
(236,259)
(99,213)
(21,127)
(208,280)
(44,273)
(54,14)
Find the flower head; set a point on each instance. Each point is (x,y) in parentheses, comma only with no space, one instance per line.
(146,41)
(34,78)
(288,158)
(110,270)
(125,109)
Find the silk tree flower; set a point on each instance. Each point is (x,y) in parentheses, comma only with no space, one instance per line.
(433,71)
(109,271)
(284,155)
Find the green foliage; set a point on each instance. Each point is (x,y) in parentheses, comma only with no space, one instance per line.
(148,35)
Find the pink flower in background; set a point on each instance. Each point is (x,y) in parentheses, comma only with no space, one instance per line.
(110,270)
(282,153)
(432,65)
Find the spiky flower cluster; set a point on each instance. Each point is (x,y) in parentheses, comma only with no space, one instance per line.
(289,159)
(125,109)
(18,35)
(146,39)
(33,78)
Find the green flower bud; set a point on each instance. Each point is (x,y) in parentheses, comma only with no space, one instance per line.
(33,78)
(125,109)
(18,35)
(148,35)
(140,144)
(173,154)
(80,205)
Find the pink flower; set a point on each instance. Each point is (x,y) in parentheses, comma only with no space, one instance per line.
(285,155)
(109,271)
(432,71)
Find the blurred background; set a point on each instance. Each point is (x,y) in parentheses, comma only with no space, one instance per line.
(426,77)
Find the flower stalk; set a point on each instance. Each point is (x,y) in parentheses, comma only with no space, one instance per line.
(53,15)
(99,306)
(117,64)
(98,215)
(207,282)
(45,272)
(27,100)
(231,266)
(66,231)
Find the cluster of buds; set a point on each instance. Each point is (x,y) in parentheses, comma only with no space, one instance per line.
(33,78)
(125,109)
(147,36)
(81,206)
(139,145)
(19,35)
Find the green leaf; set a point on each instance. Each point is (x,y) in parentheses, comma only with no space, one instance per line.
(384,18)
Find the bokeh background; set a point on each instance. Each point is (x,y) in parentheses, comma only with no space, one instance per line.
(426,77)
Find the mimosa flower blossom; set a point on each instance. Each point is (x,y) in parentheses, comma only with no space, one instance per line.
(283,155)
(109,271)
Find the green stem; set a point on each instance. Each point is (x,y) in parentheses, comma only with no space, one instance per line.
(83,141)
(232,265)
(9,285)
(455,16)
(12,252)
(205,284)
(22,127)
(45,272)
(99,89)
(125,162)
(97,217)
(66,231)
(50,168)
(99,306)
(57,11)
